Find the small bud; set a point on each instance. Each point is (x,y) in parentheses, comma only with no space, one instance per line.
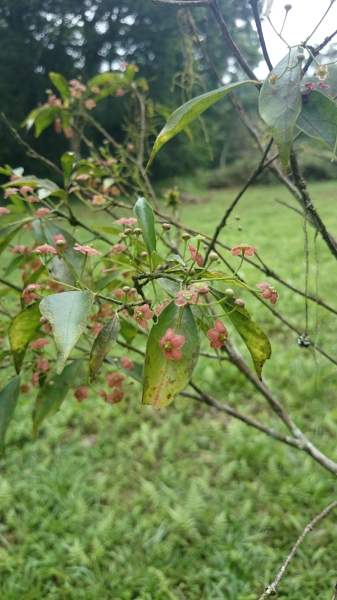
(237,217)
(126,289)
(300,57)
(185,236)
(239,302)
(199,237)
(239,228)
(133,290)
(143,254)
(166,226)
(31,287)
(213,256)
(288,7)
(273,79)
(229,292)
(137,231)
(60,243)
(43,320)
(127,231)
(51,383)
(192,272)
(7,357)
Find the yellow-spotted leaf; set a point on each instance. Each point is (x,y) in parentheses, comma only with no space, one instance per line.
(22,331)
(254,338)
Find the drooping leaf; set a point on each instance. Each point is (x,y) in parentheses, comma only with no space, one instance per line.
(22,331)
(145,216)
(318,118)
(164,379)
(61,84)
(68,314)
(103,79)
(67,162)
(280,102)
(50,397)
(9,396)
(103,343)
(18,261)
(254,338)
(186,113)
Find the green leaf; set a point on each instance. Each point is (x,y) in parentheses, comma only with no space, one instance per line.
(254,338)
(186,113)
(176,258)
(7,234)
(50,397)
(128,331)
(105,281)
(169,286)
(280,103)
(163,378)
(318,119)
(44,118)
(103,343)
(68,314)
(67,162)
(9,396)
(17,262)
(103,79)
(157,259)
(145,216)
(22,331)
(61,84)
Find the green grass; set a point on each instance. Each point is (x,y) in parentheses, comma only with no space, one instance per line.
(124,503)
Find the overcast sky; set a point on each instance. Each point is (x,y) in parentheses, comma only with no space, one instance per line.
(301,21)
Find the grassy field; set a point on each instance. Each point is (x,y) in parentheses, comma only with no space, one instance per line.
(125,503)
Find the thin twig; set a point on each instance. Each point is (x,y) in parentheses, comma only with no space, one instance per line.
(228,212)
(255,9)
(271,589)
(230,42)
(29,150)
(316,51)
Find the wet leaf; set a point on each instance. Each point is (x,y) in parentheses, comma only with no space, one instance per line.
(9,397)
(50,397)
(280,103)
(164,379)
(254,338)
(68,314)
(22,331)
(103,343)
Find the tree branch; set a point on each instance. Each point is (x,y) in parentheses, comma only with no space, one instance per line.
(271,589)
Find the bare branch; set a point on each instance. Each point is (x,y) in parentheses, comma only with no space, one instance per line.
(316,51)
(271,589)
